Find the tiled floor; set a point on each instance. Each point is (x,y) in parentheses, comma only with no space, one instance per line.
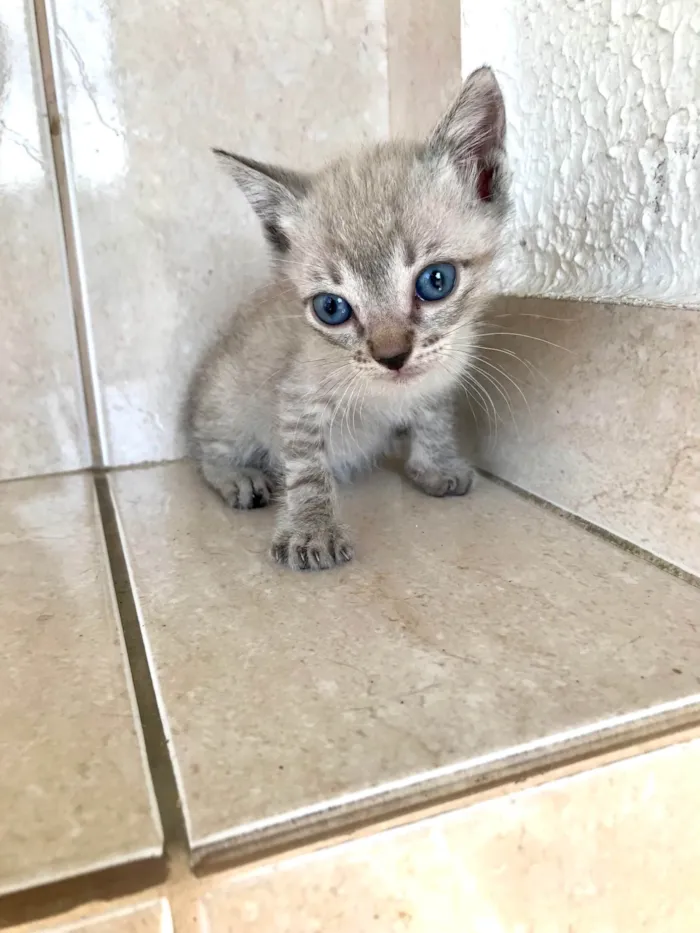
(465,630)
(628,861)
(469,637)
(75,793)
(503,866)
(153,916)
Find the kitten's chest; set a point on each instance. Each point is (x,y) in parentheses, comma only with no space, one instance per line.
(358,434)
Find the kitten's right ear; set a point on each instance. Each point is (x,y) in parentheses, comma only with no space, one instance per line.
(273,193)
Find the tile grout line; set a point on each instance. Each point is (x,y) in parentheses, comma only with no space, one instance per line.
(92,400)
(157,750)
(584,759)
(598,531)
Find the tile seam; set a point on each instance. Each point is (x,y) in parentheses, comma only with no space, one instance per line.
(160,763)
(72,253)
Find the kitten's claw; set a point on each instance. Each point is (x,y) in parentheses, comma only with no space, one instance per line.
(318,549)
(455,480)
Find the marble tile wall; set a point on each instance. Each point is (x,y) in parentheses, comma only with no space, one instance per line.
(424,64)
(168,244)
(42,419)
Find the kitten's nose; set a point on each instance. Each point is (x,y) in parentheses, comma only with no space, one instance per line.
(394,362)
(391,346)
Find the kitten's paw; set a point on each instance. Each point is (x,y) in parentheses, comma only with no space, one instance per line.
(454,480)
(245,488)
(312,549)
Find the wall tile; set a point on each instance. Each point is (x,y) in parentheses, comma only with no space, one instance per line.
(603,101)
(608,423)
(616,848)
(168,245)
(424,62)
(42,424)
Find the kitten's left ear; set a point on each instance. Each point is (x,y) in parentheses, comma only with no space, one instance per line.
(273,193)
(472,134)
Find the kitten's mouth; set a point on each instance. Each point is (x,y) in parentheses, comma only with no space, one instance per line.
(406,373)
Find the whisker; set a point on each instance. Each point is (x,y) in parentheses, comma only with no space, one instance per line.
(481,397)
(505,374)
(532,369)
(543,317)
(507,333)
(469,359)
(502,392)
(353,376)
(483,393)
(352,405)
(504,333)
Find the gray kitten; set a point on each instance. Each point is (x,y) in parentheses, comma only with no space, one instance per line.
(384,267)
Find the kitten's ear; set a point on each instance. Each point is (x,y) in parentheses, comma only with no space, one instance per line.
(272,192)
(472,134)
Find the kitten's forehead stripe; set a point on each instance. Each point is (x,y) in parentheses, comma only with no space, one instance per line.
(371,265)
(334,274)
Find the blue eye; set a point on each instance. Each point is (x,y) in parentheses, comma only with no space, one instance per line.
(331,309)
(436,281)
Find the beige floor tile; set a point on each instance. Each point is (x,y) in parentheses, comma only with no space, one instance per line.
(464,629)
(608,422)
(151,917)
(614,850)
(74,793)
(42,420)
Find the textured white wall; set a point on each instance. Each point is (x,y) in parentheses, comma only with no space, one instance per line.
(603,99)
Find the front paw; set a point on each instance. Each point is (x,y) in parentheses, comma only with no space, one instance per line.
(455,479)
(317,547)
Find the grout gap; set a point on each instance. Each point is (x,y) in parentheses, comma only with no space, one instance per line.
(48,61)
(157,750)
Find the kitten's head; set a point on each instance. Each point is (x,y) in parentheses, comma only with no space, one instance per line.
(391,250)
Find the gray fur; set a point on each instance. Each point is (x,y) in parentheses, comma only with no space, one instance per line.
(285,405)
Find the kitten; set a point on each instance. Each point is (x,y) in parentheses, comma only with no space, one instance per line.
(384,266)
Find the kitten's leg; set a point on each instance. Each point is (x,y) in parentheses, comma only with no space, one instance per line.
(308,535)
(243,483)
(434,464)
